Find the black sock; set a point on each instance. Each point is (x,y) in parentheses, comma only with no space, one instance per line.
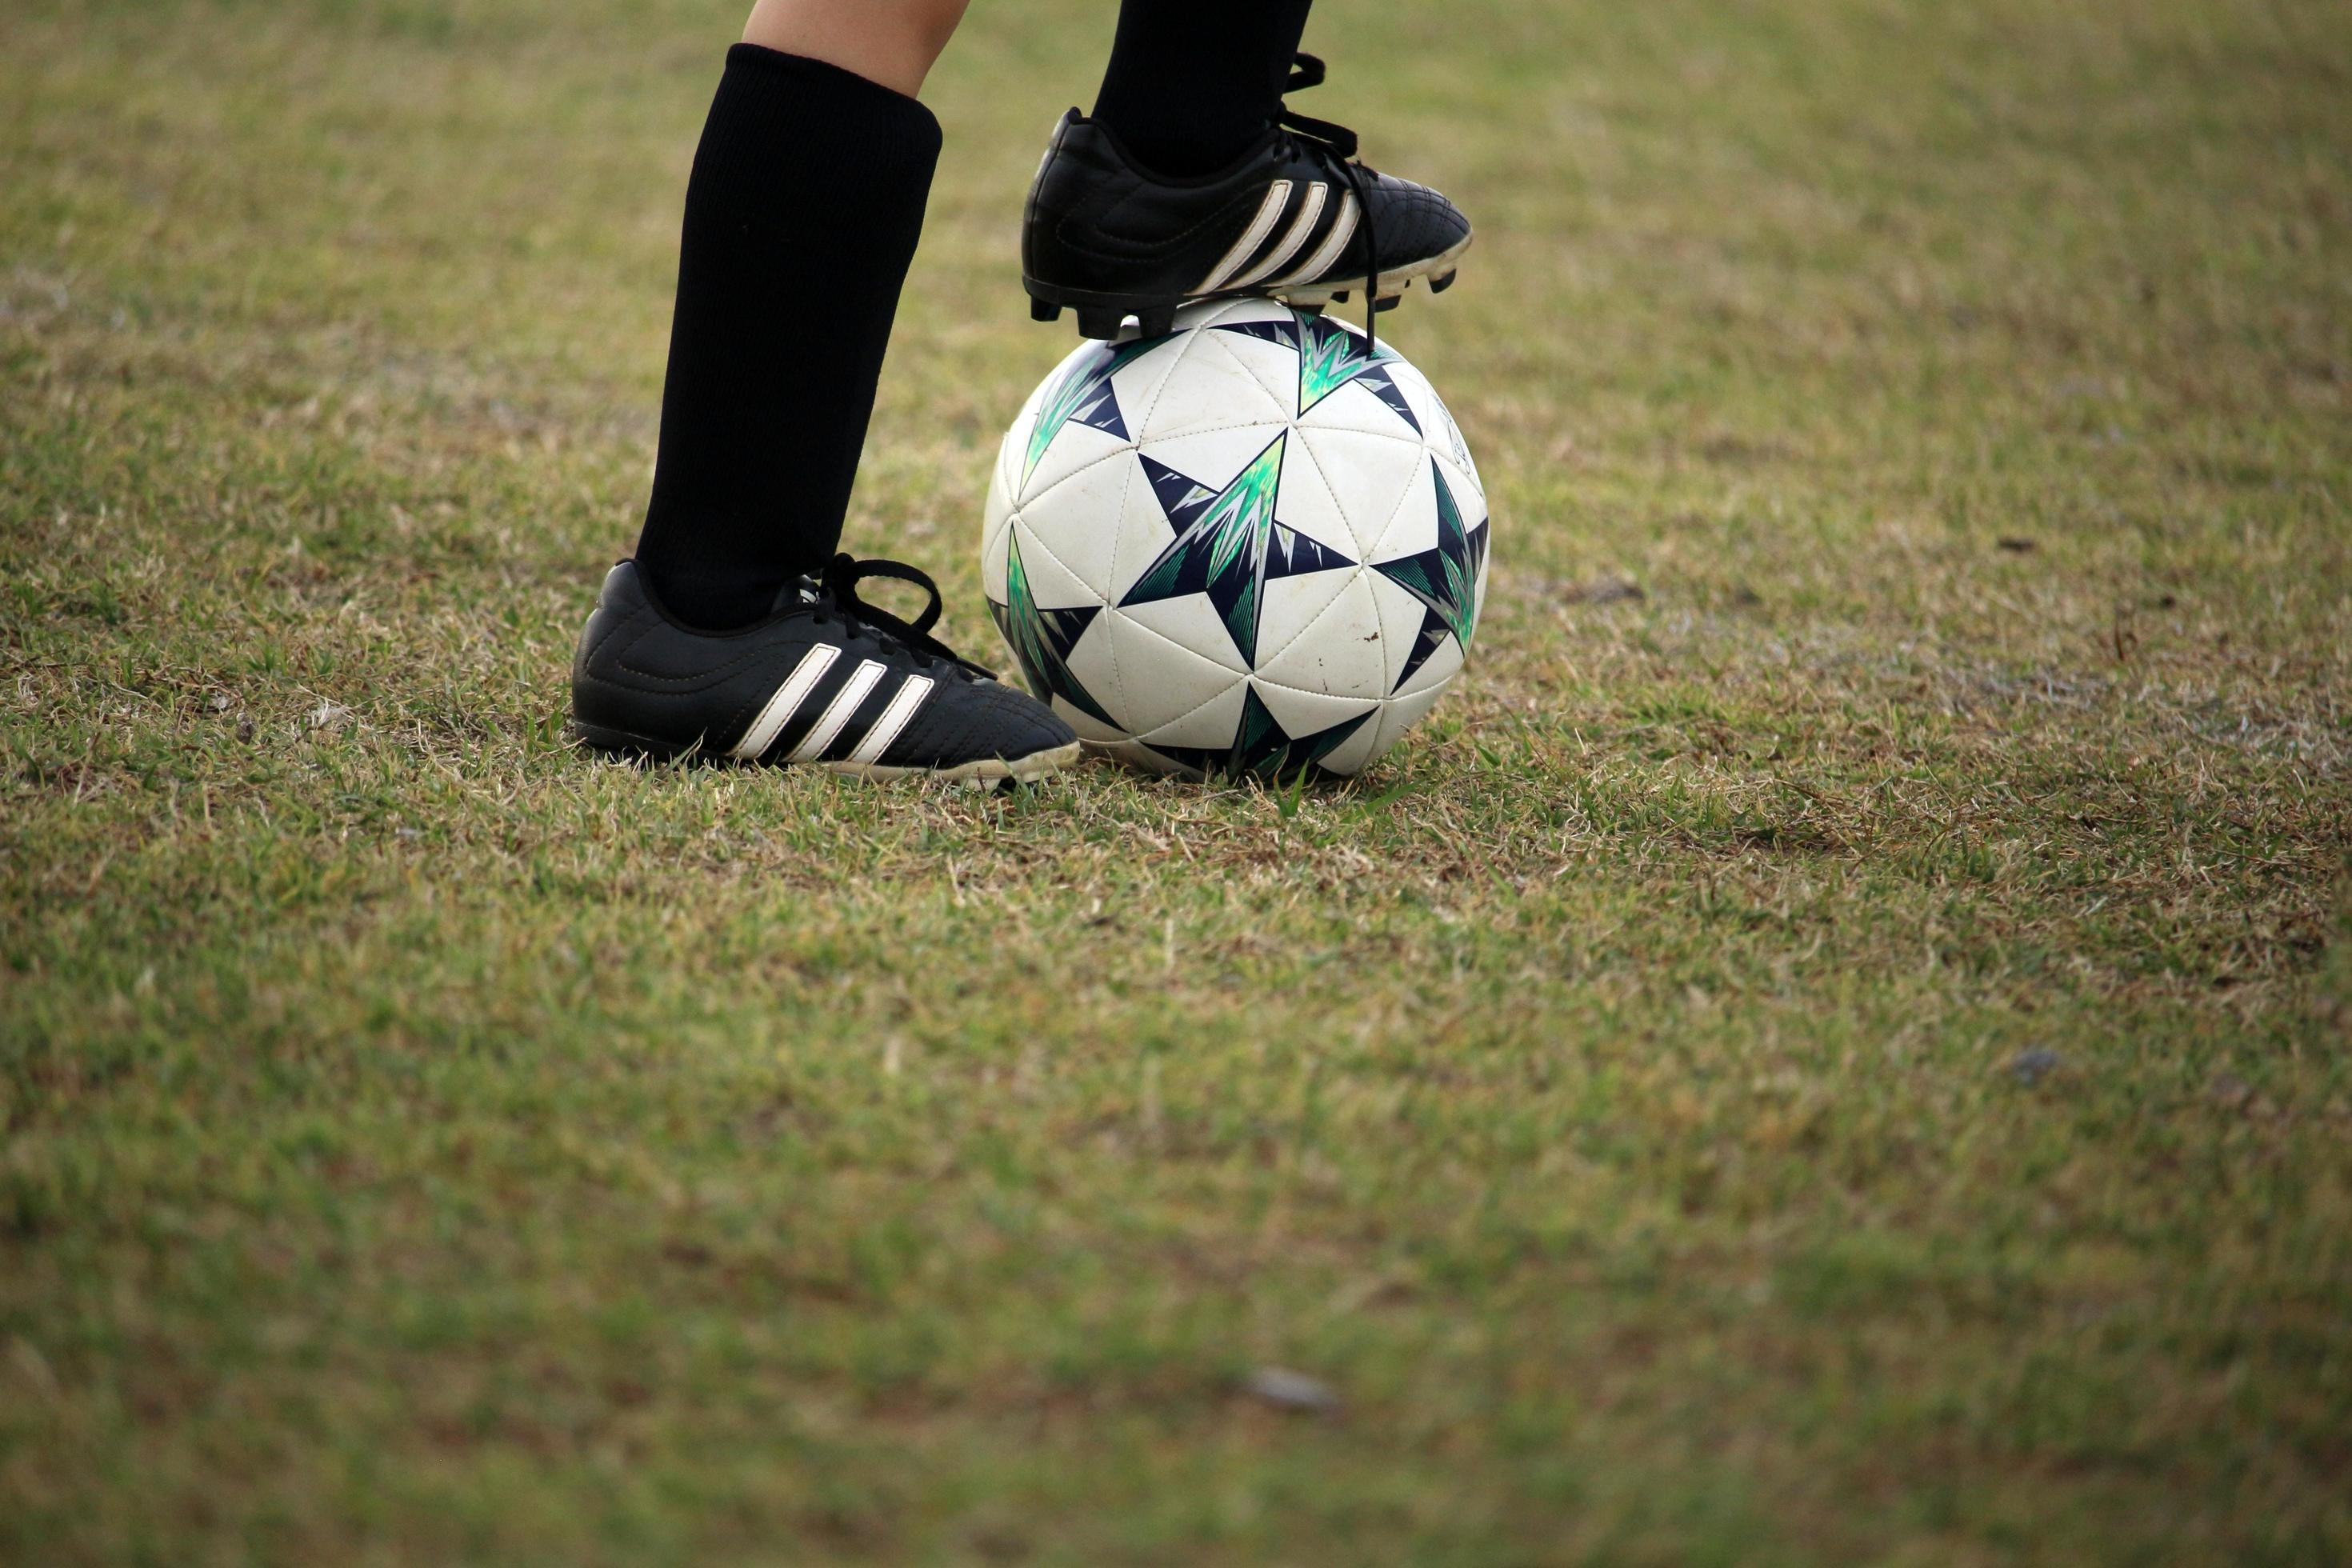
(1192,83)
(802,214)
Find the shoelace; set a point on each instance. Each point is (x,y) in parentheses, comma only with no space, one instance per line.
(836,593)
(1306,70)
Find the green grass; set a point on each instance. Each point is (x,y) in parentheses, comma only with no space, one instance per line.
(424,1144)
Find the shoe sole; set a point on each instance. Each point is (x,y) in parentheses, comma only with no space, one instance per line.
(623,745)
(1106,315)
(1020,770)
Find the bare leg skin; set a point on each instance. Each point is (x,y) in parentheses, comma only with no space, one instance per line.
(892,42)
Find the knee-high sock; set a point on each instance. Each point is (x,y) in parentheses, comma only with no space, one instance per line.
(1192,83)
(801,217)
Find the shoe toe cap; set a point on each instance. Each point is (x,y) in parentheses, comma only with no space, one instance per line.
(1032,726)
(1417,223)
(986,719)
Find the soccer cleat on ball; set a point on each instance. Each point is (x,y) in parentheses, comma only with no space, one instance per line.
(827,680)
(1297,218)
(1254,546)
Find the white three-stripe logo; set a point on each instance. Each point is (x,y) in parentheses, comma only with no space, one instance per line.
(1326,254)
(789,698)
(836,713)
(1252,258)
(785,703)
(911,693)
(1269,212)
(1310,207)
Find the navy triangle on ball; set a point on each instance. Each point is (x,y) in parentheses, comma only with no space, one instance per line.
(1084,395)
(1291,554)
(1376,381)
(1227,545)
(1041,639)
(1329,357)
(1100,411)
(1261,748)
(1444,578)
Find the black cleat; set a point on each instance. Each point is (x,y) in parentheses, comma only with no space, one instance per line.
(826,679)
(1297,218)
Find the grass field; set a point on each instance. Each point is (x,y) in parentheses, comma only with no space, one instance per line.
(1830,1046)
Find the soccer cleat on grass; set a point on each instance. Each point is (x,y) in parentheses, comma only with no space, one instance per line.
(826,679)
(1297,218)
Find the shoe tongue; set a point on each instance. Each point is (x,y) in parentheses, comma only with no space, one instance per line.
(796,593)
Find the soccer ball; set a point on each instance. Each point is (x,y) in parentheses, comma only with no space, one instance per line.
(1256,545)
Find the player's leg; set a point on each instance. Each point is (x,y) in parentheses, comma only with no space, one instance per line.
(736,630)
(1192,179)
(801,213)
(1190,88)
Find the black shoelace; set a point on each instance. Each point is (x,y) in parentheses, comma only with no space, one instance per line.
(1340,143)
(836,595)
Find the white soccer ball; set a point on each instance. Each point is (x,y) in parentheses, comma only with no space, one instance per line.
(1254,546)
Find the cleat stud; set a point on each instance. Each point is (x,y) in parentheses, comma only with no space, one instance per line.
(1158,323)
(1103,323)
(1044,310)
(1339,297)
(1440,285)
(1387,303)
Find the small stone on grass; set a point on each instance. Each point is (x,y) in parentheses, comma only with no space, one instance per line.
(2031,1067)
(1288,1390)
